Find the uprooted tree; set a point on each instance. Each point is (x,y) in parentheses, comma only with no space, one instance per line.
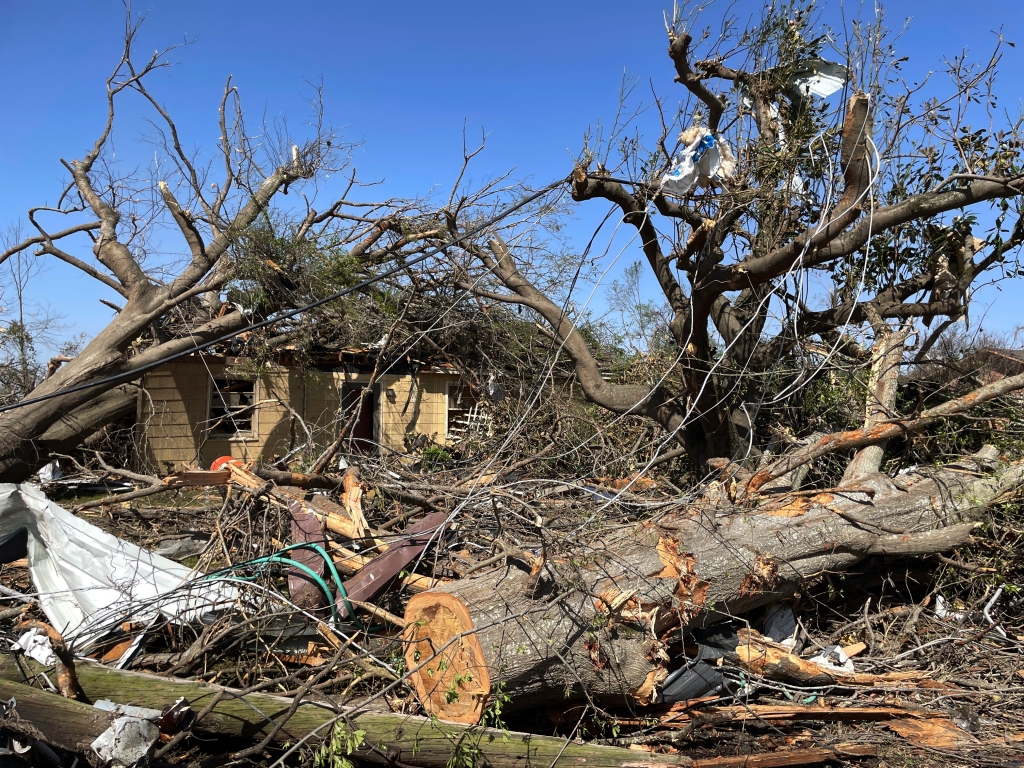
(234,236)
(824,219)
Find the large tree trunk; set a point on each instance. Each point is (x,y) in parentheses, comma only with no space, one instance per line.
(598,625)
(87,420)
(73,416)
(390,738)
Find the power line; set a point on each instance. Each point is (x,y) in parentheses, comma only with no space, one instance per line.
(134,373)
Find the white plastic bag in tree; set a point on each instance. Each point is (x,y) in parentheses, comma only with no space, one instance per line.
(705,157)
(819,77)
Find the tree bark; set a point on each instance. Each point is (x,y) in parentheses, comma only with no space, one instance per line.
(883,385)
(390,738)
(597,625)
(88,419)
(60,722)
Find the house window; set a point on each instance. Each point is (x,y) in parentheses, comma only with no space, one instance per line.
(232,408)
(464,411)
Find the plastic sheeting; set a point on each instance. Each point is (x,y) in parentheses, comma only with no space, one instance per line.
(36,645)
(704,158)
(89,581)
(819,77)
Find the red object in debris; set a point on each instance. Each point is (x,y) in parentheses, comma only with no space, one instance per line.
(220,462)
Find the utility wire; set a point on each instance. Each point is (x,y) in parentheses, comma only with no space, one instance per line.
(135,372)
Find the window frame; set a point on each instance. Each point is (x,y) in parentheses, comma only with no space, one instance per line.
(232,437)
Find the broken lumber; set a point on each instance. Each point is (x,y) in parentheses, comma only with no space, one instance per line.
(682,715)
(334,516)
(839,752)
(390,738)
(598,625)
(766,658)
(196,478)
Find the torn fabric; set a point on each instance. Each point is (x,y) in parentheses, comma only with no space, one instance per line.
(89,581)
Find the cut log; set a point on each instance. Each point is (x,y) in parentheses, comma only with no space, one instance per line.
(598,625)
(390,738)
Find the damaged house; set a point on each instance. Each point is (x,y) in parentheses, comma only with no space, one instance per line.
(205,406)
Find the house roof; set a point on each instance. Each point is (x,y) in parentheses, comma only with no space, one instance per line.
(1017,355)
(360,359)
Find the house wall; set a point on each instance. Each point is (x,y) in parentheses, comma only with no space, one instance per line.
(413,404)
(173,416)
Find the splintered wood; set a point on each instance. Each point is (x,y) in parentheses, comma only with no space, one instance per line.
(347,521)
(769,659)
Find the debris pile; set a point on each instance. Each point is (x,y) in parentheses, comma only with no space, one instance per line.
(396,615)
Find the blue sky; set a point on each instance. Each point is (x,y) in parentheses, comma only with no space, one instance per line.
(400,76)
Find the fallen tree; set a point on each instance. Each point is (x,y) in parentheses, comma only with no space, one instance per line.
(597,625)
(388,738)
(236,236)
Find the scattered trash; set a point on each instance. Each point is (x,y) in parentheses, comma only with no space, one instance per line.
(703,158)
(330,567)
(780,624)
(50,472)
(942,610)
(988,616)
(36,645)
(966,717)
(181,548)
(127,741)
(835,659)
(700,676)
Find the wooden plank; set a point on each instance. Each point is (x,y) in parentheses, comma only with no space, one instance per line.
(194,478)
(791,757)
(678,716)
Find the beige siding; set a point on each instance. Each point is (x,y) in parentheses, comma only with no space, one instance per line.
(413,405)
(175,412)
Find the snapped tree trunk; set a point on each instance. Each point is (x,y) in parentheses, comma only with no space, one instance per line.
(597,625)
(57,721)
